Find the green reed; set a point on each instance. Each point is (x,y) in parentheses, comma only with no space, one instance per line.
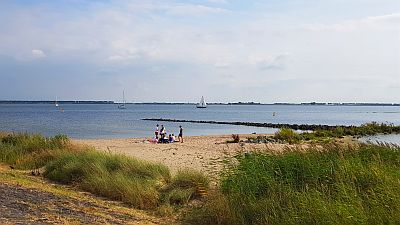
(333,185)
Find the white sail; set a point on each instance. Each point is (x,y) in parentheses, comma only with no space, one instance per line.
(202,103)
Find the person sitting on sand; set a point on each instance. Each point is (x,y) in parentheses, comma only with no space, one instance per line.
(171,138)
(154,140)
(164,140)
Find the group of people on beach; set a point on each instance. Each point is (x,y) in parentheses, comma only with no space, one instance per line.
(161,135)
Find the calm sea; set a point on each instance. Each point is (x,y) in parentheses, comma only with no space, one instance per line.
(107,121)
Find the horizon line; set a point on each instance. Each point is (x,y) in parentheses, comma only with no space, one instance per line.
(181,102)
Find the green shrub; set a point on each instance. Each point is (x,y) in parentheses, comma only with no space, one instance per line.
(287,135)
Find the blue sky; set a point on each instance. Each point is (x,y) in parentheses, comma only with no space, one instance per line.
(176,51)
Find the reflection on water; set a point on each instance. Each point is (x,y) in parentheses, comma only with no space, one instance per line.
(387,138)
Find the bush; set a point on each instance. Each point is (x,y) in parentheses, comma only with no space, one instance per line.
(287,135)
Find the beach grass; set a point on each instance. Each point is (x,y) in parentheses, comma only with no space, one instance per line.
(30,151)
(141,184)
(117,177)
(186,185)
(334,184)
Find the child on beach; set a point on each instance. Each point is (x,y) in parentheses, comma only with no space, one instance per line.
(171,138)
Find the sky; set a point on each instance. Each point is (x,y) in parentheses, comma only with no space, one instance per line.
(176,51)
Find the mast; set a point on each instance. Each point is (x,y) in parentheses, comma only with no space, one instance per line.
(122,105)
(123,97)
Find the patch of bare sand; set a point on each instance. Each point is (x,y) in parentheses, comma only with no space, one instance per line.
(202,153)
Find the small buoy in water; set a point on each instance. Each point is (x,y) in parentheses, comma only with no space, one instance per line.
(274,114)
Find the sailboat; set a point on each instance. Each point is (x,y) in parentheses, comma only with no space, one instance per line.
(202,104)
(56,103)
(122,105)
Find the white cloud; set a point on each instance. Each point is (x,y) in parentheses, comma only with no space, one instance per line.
(37,53)
(394,17)
(218,1)
(193,10)
(270,62)
(389,21)
(222,64)
(175,9)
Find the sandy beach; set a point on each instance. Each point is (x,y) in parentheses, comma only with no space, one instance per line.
(203,153)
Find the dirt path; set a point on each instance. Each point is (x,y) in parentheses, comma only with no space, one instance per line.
(20,204)
(27,199)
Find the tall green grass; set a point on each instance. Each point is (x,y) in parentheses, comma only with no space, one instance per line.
(115,176)
(30,151)
(339,185)
(186,185)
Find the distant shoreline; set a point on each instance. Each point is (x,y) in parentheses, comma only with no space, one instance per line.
(190,103)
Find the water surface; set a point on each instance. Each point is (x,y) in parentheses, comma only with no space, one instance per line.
(107,121)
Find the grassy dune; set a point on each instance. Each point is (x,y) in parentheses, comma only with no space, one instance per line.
(114,176)
(338,185)
(141,184)
(31,151)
